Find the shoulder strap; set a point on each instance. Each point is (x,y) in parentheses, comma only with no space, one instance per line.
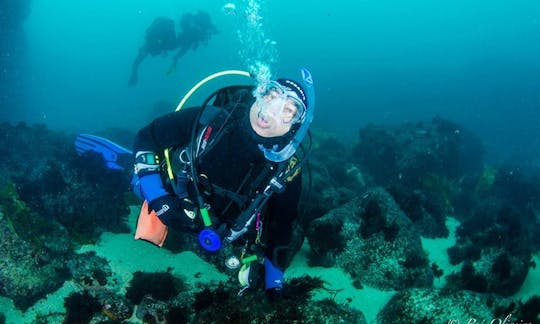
(218,109)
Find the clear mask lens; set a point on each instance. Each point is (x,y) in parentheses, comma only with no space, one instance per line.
(280,105)
(298,104)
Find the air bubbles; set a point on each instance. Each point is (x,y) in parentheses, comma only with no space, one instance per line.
(229,9)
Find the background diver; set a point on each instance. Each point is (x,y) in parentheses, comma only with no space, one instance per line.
(161,37)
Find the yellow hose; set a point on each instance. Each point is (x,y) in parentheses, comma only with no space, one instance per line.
(208,78)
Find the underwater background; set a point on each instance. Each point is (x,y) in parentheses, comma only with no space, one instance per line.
(375,61)
(427,110)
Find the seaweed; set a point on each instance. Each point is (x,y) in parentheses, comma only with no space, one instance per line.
(301,288)
(414,260)
(223,305)
(177,315)
(373,219)
(323,249)
(471,280)
(207,297)
(28,225)
(161,285)
(502,268)
(530,311)
(527,312)
(437,271)
(81,307)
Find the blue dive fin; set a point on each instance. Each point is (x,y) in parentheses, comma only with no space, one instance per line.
(111,152)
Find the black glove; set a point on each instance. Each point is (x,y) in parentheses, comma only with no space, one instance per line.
(180,214)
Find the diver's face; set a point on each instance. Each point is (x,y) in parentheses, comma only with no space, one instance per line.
(272,115)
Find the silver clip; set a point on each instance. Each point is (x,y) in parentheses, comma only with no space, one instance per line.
(241,292)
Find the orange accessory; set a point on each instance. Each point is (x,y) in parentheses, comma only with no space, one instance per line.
(149,227)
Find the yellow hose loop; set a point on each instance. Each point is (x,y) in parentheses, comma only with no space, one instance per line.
(208,78)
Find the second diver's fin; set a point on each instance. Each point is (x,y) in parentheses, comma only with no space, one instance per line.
(171,70)
(112,153)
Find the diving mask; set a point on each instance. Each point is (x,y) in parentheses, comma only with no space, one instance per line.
(277,103)
(308,98)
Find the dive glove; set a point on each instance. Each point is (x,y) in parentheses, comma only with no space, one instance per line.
(273,280)
(180,214)
(273,276)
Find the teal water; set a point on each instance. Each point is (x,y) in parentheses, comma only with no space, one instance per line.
(475,62)
(383,62)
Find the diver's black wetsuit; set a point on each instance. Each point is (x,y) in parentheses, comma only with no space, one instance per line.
(228,162)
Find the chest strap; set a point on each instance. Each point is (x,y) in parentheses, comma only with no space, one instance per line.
(237,198)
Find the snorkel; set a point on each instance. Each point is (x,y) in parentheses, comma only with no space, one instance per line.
(286,152)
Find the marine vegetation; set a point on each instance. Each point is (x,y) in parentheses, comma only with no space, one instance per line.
(27,247)
(223,305)
(81,307)
(406,154)
(79,193)
(160,285)
(526,312)
(374,241)
(27,223)
(367,213)
(334,178)
(409,306)
(157,302)
(421,165)
(495,246)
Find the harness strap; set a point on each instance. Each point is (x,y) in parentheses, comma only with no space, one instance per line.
(248,215)
(269,167)
(239,199)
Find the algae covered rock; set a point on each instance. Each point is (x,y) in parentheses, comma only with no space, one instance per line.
(495,247)
(223,305)
(407,153)
(423,166)
(333,178)
(89,271)
(419,305)
(373,240)
(495,271)
(78,192)
(25,276)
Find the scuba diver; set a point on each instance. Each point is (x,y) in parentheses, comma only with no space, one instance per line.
(229,171)
(161,38)
(196,29)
